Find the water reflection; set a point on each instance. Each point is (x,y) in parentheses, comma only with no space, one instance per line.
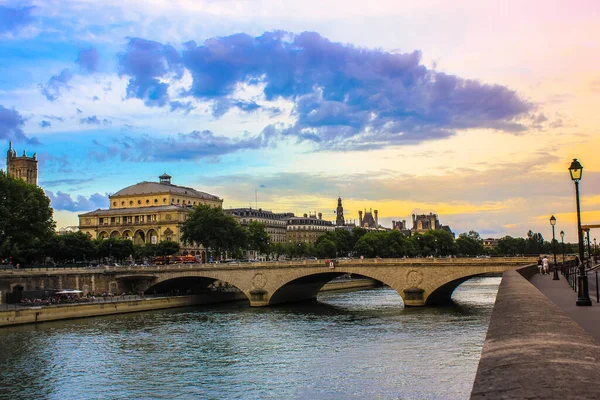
(347,345)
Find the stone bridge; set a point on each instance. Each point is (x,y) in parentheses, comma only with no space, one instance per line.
(419,282)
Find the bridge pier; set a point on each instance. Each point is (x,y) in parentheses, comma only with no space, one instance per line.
(413,297)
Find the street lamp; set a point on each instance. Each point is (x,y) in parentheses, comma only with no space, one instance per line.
(562,249)
(553,222)
(583,295)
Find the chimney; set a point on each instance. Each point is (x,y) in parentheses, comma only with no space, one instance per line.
(376,219)
(360,218)
(320,215)
(305,215)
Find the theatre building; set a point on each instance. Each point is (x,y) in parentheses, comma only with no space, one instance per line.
(148,212)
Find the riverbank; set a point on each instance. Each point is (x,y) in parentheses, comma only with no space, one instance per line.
(534,349)
(31,315)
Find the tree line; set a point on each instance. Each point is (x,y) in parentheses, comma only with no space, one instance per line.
(27,236)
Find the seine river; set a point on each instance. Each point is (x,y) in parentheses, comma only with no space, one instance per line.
(356,345)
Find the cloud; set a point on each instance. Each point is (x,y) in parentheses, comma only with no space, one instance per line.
(192,146)
(88,60)
(94,120)
(64,201)
(186,107)
(45,124)
(13,19)
(54,118)
(60,182)
(56,84)
(344,97)
(61,162)
(147,63)
(11,126)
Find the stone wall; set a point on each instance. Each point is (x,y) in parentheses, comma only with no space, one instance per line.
(533,350)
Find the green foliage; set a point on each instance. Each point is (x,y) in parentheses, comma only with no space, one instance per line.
(210,227)
(115,248)
(469,244)
(392,244)
(326,249)
(25,215)
(167,248)
(71,247)
(258,238)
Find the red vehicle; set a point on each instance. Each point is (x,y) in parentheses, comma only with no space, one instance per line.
(176,260)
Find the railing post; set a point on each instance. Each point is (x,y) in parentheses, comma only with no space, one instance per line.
(597,290)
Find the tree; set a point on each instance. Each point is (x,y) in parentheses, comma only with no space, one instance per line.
(258,238)
(25,215)
(469,244)
(210,227)
(326,249)
(71,246)
(119,249)
(167,248)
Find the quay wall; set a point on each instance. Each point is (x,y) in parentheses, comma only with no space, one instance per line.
(533,350)
(29,315)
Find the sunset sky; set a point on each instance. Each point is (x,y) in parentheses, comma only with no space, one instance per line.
(469,109)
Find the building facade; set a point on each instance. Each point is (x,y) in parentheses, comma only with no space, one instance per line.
(148,212)
(307,229)
(23,167)
(275,223)
(426,222)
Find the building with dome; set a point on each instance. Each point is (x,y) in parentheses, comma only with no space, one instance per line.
(148,212)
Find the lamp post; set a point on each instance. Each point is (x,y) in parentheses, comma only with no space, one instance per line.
(562,249)
(595,247)
(555,274)
(583,295)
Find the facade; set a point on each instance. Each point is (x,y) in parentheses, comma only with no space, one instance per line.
(426,222)
(148,212)
(307,229)
(340,222)
(401,226)
(23,167)
(370,220)
(276,223)
(490,243)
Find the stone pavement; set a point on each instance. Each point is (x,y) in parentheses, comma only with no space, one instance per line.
(565,297)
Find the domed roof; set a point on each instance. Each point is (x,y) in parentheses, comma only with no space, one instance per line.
(146,187)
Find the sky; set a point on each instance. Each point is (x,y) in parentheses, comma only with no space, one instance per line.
(470,109)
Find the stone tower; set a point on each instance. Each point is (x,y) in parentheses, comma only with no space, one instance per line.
(23,167)
(339,220)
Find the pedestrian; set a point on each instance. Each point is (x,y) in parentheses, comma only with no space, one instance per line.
(545,264)
(539,262)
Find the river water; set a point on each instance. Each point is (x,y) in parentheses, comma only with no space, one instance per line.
(354,345)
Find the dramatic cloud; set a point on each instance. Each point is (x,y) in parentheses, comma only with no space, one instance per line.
(56,85)
(13,19)
(11,126)
(88,60)
(147,63)
(344,97)
(64,201)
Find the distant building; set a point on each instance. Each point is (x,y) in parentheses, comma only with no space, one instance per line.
(401,226)
(490,243)
(370,220)
(67,229)
(340,222)
(275,223)
(426,222)
(307,229)
(23,167)
(148,212)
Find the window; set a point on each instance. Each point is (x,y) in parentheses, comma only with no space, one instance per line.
(131,203)
(155,201)
(122,203)
(139,202)
(114,203)
(147,201)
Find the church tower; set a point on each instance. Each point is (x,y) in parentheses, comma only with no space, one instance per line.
(339,221)
(23,167)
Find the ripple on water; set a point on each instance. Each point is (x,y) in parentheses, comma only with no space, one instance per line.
(351,345)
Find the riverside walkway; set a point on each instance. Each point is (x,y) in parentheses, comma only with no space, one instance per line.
(539,344)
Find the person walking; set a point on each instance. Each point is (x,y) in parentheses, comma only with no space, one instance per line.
(545,264)
(539,262)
